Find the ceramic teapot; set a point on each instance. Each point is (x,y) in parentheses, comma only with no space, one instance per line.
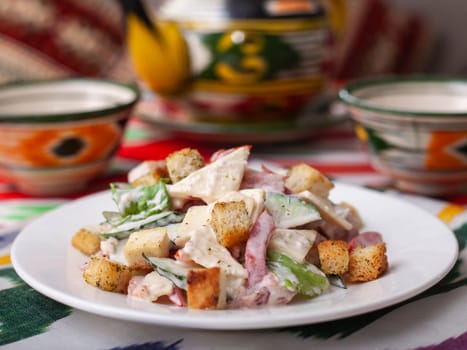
(233,60)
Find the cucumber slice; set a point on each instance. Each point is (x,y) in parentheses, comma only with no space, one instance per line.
(289,210)
(305,279)
(171,269)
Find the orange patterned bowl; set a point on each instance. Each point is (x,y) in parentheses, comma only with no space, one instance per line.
(57,135)
(415,129)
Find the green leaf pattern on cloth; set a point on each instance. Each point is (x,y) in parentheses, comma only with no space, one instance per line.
(25,210)
(25,312)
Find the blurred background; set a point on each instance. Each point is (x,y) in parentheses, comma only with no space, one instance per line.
(404,36)
(444,20)
(55,38)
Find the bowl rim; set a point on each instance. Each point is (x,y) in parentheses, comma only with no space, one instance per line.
(69,116)
(346,93)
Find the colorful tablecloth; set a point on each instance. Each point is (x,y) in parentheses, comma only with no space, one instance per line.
(436,319)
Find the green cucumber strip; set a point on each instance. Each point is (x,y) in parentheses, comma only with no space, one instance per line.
(170,269)
(289,211)
(304,278)
(123,230)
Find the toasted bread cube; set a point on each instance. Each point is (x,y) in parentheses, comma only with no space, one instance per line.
(107,275)
(182,163)
(204,288)
(148,173)
(230,222)
(367,263)
(86,242)
(151,242)
(253,198)
(302,177)
(333,257)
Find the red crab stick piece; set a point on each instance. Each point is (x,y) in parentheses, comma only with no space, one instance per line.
(256,247)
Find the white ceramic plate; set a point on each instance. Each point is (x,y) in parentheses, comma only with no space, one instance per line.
(421,251)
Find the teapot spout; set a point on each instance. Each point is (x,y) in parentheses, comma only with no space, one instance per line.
(157,49)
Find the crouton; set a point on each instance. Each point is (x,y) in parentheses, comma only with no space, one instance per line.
(302,177)
(230,222)
(107,275)
(147,173)
(333,257)
(367,263)
(151,242)
(182,163)
(204,288)
(253,198)
(86,242)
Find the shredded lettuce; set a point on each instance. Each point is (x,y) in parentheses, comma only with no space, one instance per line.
(139,208)
(142,199)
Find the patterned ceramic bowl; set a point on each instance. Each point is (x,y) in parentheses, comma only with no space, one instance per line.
(415,129)
(57,135)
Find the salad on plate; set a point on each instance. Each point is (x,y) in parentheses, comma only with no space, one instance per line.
(222,234)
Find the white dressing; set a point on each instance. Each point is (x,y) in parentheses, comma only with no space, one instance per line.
(293,243)
(215,179)
(204,249)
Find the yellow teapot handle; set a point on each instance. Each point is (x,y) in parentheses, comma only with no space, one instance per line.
(337,11)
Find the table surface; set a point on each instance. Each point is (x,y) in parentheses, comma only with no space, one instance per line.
(436,319)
